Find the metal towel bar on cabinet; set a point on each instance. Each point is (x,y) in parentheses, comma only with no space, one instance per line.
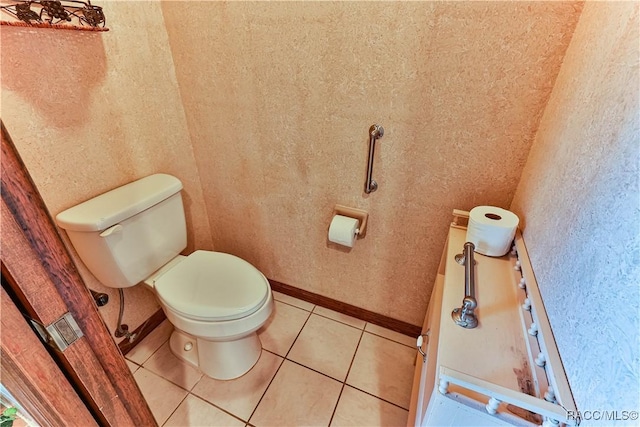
(464,316)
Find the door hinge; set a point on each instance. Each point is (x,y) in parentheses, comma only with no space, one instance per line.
(61,333)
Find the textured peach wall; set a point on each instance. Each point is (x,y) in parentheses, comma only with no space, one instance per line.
(279,97)
(91,111)
(579,198)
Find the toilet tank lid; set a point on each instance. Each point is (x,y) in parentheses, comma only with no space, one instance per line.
(112,207)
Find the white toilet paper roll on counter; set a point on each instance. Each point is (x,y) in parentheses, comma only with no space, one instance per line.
(343,230)
(491,230)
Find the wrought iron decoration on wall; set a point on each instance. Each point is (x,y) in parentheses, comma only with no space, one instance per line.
(52,13)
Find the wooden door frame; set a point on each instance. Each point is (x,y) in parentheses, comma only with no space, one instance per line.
(43,277)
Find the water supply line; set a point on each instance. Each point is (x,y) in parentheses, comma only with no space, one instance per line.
(123,330)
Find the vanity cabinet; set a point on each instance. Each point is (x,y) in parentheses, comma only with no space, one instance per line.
(506,370)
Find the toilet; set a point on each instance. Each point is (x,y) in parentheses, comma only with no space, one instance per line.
(216,301)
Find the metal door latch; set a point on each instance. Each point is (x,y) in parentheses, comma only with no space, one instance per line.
(61,333)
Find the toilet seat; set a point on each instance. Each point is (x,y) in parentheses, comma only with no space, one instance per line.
(213,286)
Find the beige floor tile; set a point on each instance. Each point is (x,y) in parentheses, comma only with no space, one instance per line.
(145,348)
(241,395)
(392,335)
(297,397)
(278,296)
(196,412)
(326,346)
(132,366)
(383,368)
(164,363)
(357,408)
(352,321)
(162,396)
(281,330)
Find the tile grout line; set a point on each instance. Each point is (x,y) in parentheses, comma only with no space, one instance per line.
(312,311)
(167,379)
(283,360)
(170,382)
(377,397)
(341,321)
(180,361)
(298,335)
(293,305)
(344,383)
(267,388)
(364,328)
(154,351)
(369,393)
(217,407)
(175,409)
(391,339)
(314,370)
(227,411)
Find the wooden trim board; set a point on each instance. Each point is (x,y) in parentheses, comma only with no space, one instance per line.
(142,331)
(348,309)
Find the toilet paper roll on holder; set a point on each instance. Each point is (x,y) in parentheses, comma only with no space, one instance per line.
(358,214)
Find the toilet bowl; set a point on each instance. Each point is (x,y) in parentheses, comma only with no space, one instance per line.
(216,301)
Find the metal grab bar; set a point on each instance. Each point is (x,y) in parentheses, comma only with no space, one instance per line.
(375,132)
(464,316)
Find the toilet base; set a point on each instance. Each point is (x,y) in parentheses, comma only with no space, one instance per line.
(221,360)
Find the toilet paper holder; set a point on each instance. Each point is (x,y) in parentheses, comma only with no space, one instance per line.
(358,214)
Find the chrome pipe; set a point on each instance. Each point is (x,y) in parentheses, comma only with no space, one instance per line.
(375,132)
(465,316)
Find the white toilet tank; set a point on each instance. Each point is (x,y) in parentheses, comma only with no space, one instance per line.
(126,234)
